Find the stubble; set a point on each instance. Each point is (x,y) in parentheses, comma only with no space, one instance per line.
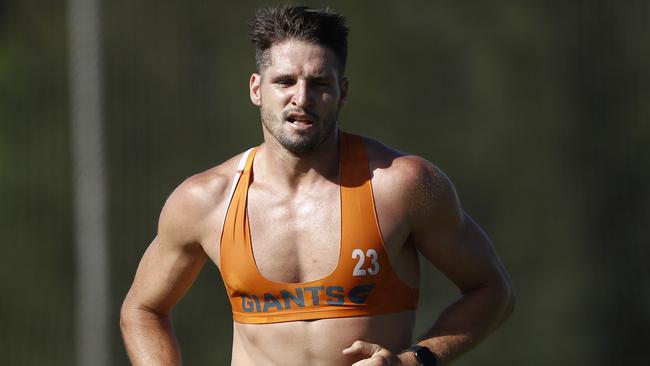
(299,144)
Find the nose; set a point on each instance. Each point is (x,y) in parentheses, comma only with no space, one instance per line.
(301,97)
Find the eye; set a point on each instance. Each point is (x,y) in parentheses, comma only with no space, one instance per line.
(323,83)
(285,82)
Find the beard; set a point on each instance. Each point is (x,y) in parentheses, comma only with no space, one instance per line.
(299,143)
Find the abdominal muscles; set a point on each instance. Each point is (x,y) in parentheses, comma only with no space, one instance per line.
(318,342)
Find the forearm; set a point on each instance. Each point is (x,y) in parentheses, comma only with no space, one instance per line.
(149,338)
(465,322)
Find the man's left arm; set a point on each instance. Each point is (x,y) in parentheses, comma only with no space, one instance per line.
(468,259)
(448,238)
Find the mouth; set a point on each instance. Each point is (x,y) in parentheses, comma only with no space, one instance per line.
(300,120)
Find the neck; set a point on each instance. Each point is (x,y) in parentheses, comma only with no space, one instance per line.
(274,163)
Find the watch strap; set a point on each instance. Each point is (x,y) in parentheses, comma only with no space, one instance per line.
(424,355)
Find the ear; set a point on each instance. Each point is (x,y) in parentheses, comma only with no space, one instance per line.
(254,88)
(344,91)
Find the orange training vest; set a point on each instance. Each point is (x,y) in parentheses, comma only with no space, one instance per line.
(363,283)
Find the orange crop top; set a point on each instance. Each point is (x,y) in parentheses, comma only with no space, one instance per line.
(363,283)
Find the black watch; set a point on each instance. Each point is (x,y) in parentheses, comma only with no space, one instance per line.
(424,355)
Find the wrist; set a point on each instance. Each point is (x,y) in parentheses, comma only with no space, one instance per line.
(419,355)
(407,358)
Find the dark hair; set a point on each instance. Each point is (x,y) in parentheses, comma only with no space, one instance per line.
(274,25)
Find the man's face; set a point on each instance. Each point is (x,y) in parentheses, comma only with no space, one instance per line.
(299,94)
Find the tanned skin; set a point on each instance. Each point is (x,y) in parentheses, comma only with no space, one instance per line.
(294,200)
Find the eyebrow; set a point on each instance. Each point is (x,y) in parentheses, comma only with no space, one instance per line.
(321,77)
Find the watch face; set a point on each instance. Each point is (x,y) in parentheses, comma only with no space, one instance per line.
(425,356)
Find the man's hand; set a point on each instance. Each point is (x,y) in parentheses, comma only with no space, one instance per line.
(376,355)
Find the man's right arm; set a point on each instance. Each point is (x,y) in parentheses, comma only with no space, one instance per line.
(165,273)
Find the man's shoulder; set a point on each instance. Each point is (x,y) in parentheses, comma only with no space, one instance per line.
(408,184)
(208,187)
(407,169)
(198,197)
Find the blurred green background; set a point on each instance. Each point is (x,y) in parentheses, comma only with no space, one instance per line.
(539,112)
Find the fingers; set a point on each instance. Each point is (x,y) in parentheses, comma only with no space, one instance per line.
(372,354)
(361,348)
(376,360)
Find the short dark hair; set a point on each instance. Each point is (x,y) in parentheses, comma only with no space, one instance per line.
(274,25)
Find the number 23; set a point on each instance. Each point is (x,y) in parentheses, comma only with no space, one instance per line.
(372,255)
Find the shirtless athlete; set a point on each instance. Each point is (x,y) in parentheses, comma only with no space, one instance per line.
(316,232)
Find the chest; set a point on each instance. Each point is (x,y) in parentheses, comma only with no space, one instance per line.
(295,237)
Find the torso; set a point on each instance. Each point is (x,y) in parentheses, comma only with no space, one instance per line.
(310,252)
(318,342)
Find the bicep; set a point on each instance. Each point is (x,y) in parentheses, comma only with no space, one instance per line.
(168,268)
(174,258)
(165,273)
(463,253)
(448,238)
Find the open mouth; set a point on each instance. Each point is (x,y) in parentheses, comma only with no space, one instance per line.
(300,120)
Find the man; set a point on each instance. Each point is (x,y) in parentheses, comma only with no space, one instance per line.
(316,232)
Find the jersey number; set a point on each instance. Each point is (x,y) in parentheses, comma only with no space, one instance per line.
(372,255)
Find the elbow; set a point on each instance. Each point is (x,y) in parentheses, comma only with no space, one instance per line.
(500,295)
(130,316)
(508,297)
(127,317)
(135,315)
